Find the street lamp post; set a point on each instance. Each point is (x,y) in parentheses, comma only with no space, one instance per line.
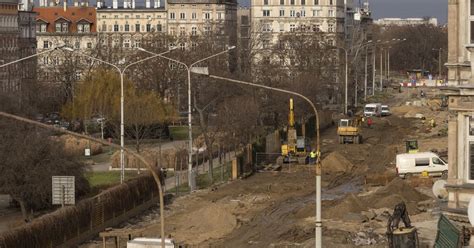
(122,125)
(381,69)
(318,222)
(191,177)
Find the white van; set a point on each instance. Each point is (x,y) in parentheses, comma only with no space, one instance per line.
(416,163)
(373,109)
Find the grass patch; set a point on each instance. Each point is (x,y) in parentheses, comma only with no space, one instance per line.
(181,132)
(107,178)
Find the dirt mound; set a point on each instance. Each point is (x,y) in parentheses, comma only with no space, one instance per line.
(393,193)
(336,163)
(350,204)
(208,223)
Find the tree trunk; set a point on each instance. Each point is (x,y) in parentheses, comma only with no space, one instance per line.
(24,213)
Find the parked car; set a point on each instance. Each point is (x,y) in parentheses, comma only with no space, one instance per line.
(385,110)
(416,163)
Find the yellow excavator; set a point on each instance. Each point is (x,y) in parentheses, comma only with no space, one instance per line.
(295,148)
(348,131)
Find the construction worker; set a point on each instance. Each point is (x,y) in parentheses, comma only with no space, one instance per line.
(369,122)
(432,123)
(312,157)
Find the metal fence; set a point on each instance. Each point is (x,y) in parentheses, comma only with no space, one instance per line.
(266,158)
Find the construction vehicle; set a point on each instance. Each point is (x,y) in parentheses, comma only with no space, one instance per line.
(411,146)
(349,131)
(295,148)
(403,237)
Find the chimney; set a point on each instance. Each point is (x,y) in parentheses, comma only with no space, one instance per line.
(76,3)
(99,4)
(133,4)
(65,5)
(126,4)
(147,4)
(115,4)
(157,4)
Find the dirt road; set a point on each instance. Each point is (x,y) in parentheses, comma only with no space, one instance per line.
(277,209)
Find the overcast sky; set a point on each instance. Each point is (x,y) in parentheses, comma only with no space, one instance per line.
(410,8)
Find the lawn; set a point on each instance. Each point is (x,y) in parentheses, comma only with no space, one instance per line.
(104,178)
(181,132)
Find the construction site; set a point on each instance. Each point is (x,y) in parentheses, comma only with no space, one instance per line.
(275,206)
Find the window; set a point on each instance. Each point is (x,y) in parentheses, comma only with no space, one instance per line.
(303,13)
(159,28)
(193,16)
(303,2)
(194,31)
(282,12)
(172,15)
(266,12)
(104,27)
(472,32)
(331,2)
(83,28)
(438,161)
(182,46)
(148,27)
(292,27)
(292,13)
(331,28)
(64,27)
(422,161)
(207,15)
(45,44)
(292,2)
(182,15)
(77,45)
(89,45)
(331,13)
(282,2)
(316,28)
(282,27)
(87,28)
(42,28)
(207,30)
(127,28)
(137,27)
(316,12)
(182,31)
(265,2)
(316,2)
(116,28)
(267,27)
(219,16)
(58,27)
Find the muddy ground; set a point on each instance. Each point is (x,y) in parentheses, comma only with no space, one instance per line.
(277,209)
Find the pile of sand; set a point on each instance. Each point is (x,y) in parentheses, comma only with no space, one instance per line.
(207,223)
(385,197)
(75,146)
(336,163)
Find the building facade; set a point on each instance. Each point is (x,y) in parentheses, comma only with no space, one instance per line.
(460,42)
(17,40)
(127,25)
(285,16)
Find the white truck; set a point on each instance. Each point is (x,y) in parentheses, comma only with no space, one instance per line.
(373,109)
(416,163)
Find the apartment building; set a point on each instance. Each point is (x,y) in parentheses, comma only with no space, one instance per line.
(202,17)
(17,40)
(406,21)
(284,16)
(127,24)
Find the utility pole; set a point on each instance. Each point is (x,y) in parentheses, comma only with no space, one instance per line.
(373,70)
(365,75)
(381,69)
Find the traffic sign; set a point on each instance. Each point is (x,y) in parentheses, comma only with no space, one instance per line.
(63,190)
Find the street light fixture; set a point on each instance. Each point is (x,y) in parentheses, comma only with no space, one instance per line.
(31,56)
(191,176)
(122,73)
(318,222)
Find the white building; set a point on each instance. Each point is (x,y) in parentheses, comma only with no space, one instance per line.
(406,21)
